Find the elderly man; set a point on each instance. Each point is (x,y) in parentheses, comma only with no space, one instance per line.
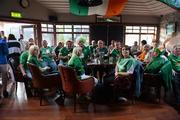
(174,57)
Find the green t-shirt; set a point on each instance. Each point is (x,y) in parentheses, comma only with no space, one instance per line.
(124,64)
(45,52)
(92,49)
(115,53)
(103,50)
(155,65)
(34,60)
(65,51)
(175,61)
(24,59)
(86,52)
(76,63)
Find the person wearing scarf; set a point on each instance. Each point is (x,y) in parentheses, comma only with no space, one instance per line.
(127,65)
(175,61)
(76,63)
(162,66)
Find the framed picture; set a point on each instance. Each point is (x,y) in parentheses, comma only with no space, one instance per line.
(170,28)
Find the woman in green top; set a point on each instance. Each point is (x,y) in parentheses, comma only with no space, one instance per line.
(33,58)
(127,65)
(175,61)
(76,63)
(23,61)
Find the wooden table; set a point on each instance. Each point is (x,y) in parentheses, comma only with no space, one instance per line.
(100,69)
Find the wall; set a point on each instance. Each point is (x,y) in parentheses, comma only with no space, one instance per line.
(127,19)
(34,11)
(172,40)
(38,12)
(139,19)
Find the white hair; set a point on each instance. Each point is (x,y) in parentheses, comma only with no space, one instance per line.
(77,50)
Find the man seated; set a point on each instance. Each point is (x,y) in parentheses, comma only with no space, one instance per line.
(65,53)
(174,58)
(160,65)
(47,55)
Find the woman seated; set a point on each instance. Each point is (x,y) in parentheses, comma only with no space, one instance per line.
(33,58)
(76,63)
(175,61)
(145,55)
(127,65)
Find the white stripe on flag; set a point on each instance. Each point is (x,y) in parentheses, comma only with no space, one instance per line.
(100,10)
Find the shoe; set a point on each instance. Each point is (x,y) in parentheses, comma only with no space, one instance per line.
(5,94)
(122,99)
(1,100)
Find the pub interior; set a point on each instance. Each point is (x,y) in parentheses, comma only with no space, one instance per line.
(90,59)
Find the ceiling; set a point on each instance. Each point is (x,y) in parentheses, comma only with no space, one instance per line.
(133,7)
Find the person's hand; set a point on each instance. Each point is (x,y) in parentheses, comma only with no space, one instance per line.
(116,74)
(47,67)
(24,75)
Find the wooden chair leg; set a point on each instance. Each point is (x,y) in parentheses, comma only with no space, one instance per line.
(16,87)
(74,103)
(159,94)
(41,96)
(94,107)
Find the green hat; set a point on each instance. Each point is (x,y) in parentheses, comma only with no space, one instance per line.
(82,39)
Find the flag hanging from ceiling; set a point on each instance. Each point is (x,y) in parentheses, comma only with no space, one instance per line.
(108,8)
(173,3)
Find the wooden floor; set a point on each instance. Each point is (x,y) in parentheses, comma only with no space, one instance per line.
(21,108)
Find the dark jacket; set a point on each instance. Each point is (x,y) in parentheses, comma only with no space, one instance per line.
(3,51)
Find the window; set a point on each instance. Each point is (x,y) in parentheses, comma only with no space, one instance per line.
(47,28)
(72,32)
(139,33)
(49,38)
(64,32)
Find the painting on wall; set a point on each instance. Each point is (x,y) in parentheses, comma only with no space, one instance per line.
(170,28)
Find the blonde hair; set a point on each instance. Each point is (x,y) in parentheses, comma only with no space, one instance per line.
(32,49)
(77,50)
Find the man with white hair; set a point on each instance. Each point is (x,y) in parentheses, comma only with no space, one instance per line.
(174,57)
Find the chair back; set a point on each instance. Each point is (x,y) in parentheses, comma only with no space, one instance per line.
(69,79)
(38,80)
(14,63)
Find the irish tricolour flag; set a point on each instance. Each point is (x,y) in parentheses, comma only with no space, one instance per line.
(109,8)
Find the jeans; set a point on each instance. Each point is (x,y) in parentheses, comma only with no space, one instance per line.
(4,71)
(51,64)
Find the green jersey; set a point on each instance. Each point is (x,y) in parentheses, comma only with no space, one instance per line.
(24,59)
(76,63)
(125,64)
(65,51)
(34,60)
(45,53)
(175,61)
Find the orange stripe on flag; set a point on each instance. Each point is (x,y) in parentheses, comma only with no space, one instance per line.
(115,7)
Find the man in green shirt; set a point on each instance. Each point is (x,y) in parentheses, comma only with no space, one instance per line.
(175,61)
(65,53)
(92,48)
(47,56)
(160,65)
(85,51)
(116,51)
